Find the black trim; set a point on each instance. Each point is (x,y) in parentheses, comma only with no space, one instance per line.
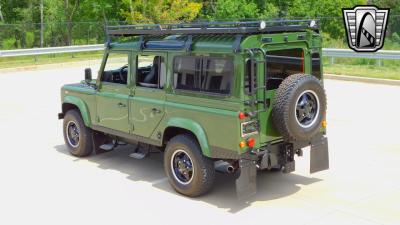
(132,137)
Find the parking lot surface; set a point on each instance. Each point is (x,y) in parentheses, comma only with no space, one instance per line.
(42,184)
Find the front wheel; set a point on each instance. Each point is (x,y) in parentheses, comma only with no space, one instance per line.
(77,136)
(189,172)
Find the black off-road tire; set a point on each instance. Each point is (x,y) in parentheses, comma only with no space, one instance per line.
(85,143)
(284,107)
(204,172)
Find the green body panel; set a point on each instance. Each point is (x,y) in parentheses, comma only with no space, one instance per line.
(212,118)
(115,99)
(193,127)
(143,118)
(83,98)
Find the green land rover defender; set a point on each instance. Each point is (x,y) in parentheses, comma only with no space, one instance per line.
(235,97)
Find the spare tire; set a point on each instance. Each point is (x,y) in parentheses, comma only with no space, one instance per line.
(299,107)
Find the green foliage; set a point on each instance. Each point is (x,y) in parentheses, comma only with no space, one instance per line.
(330,13)
(29,39)
(160,11)
(396,37)
(234,9)
(83,21)
(9,43)
(394,18)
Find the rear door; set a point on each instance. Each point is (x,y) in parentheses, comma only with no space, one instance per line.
(281,62)
(147,103)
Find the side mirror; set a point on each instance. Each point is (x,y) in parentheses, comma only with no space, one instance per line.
(88,75)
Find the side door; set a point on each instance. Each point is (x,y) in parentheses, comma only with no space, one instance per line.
(147,103)
(114,90)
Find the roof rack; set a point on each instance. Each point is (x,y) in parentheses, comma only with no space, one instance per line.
(248,27)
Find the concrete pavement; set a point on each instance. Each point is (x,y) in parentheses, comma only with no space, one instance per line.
(42,184)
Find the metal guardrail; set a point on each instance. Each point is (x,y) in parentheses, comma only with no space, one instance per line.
(327,52)
(54,50)
(347,53)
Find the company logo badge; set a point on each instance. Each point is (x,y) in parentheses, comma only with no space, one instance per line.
(365,27)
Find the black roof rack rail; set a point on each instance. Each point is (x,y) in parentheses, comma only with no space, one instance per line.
(247,27)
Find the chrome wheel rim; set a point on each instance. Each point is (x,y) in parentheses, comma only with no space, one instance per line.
(307,109)
(73,134)
(182,167)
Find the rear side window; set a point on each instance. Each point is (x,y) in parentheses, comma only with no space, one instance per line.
(247,85)
(283,63)
(316,64)
(217,75)
(203,74)
(187,73)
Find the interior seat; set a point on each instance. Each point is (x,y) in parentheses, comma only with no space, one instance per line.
(152,76)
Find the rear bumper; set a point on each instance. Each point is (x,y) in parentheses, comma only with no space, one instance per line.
(276,155)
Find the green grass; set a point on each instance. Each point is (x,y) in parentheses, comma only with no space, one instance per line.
(389,69)
(364,71)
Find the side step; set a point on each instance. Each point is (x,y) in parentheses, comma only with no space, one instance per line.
(107,147)
(141,151)
(112,145)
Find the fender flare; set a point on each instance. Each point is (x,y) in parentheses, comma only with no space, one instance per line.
(81,105)
(193,127)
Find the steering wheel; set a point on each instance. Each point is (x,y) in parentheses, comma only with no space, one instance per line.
(121,77)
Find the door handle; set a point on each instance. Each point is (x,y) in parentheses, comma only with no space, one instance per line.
(121,105)
(155,110)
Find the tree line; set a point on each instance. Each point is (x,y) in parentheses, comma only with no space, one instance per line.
(35,23)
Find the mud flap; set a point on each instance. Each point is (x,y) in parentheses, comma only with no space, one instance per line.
(319,155)
(98,140)
(246,183)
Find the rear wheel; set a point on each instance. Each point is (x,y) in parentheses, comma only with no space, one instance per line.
(189,172)
(77,136)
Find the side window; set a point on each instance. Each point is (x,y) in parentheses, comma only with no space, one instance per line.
(151,71)
(247,86)
(187,71)
(116,68)
(217,75)
(204,74)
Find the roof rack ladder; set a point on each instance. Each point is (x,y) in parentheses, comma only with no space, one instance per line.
(254,82)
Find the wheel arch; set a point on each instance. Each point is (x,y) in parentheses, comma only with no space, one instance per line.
(72,102)
(176,126)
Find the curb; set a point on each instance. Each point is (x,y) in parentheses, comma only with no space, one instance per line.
(362,79)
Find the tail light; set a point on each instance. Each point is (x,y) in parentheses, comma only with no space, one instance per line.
(250,142)
(242,115)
